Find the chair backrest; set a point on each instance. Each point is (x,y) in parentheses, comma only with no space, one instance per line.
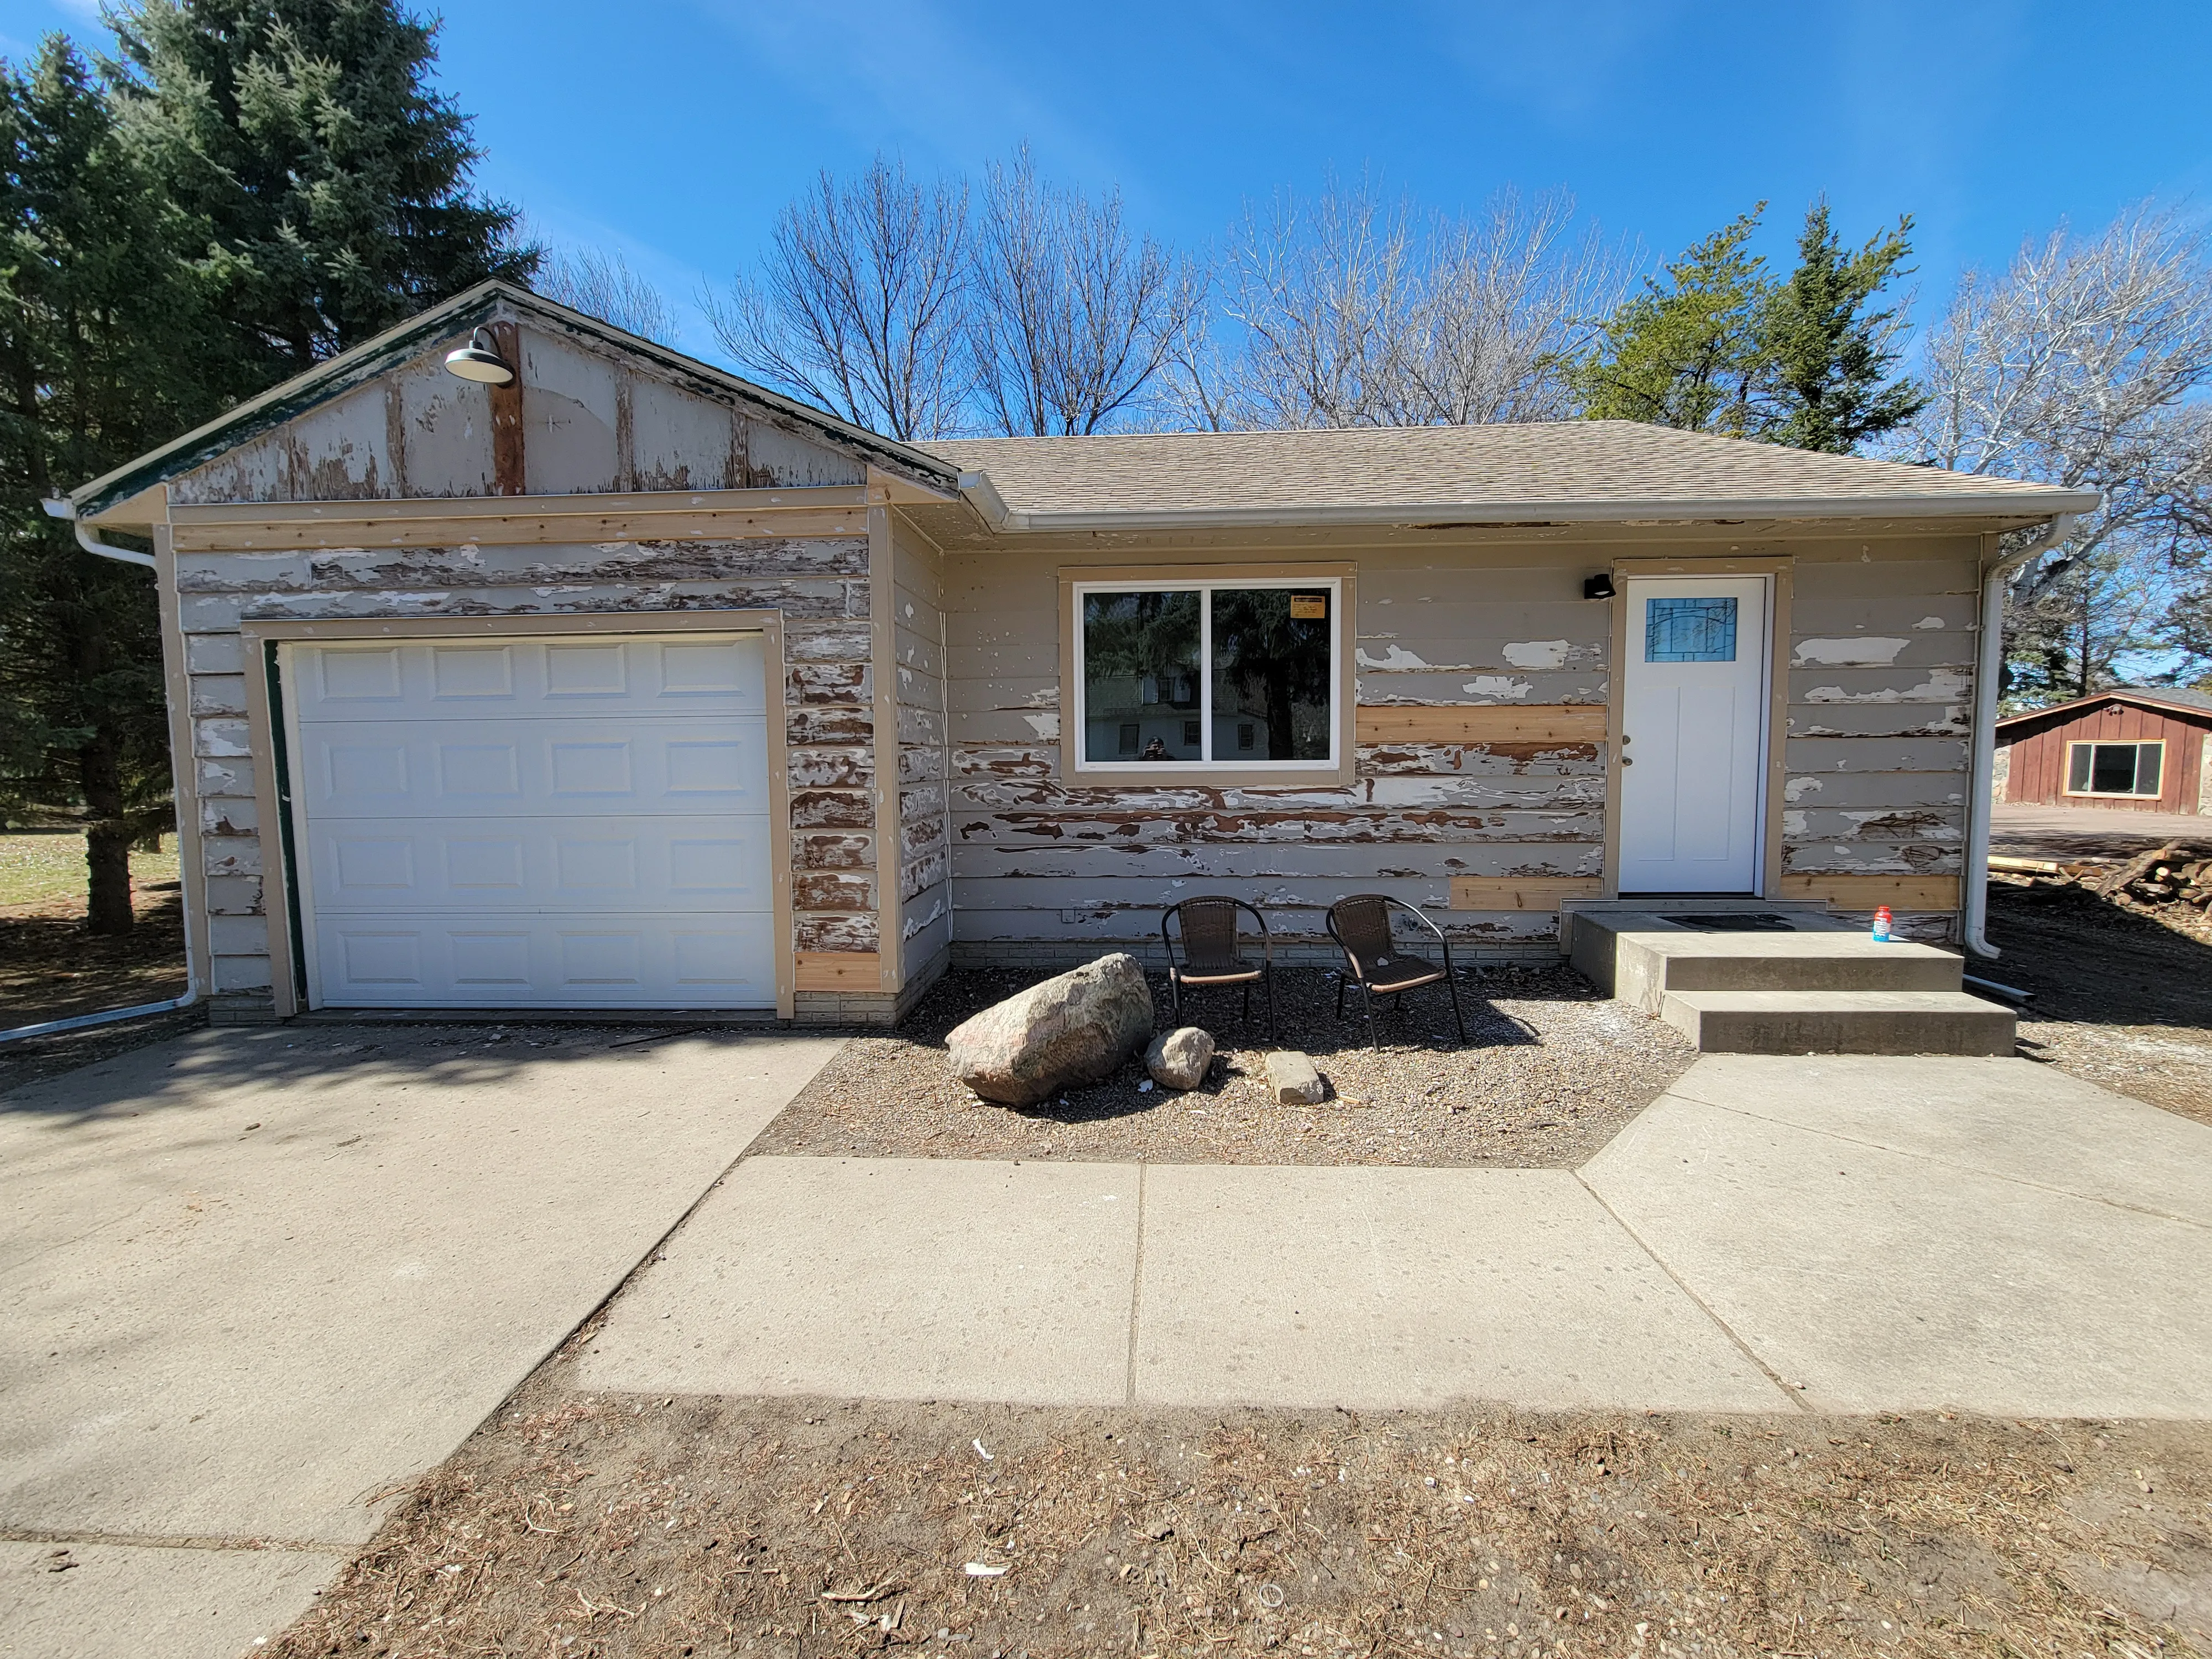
(1208,925)
(1361,924)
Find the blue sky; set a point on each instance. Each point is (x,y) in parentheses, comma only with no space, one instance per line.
(672,129)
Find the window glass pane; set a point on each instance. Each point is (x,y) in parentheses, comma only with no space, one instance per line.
(1689,630)
(2148,760)
(1272,679)
(1140,676)
(2077,766)
(2113,772)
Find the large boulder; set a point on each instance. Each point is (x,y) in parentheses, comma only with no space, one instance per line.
(1074,1027)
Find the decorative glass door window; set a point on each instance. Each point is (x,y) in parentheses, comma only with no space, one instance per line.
(1689,630)
(2114,769)
(1238,673)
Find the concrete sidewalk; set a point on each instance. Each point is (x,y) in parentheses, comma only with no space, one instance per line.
(1852,1234)
(251,1283)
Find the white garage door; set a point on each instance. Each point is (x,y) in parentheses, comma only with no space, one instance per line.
(577,822)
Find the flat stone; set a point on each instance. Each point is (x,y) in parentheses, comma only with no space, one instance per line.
(1072,1029)
(1292,1080)
(1179,1059)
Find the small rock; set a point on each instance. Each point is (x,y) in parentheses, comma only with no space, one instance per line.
(1179,1059)
(1292,1079)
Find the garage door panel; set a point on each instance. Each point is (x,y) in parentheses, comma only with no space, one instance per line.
(573,821)
(555,679)
(454,959)
(465,768)
(670,864)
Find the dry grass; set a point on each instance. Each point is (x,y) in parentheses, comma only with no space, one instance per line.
(1550,1072)
(620,1526)
(44,873)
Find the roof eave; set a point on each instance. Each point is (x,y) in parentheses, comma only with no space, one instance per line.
(2024,507)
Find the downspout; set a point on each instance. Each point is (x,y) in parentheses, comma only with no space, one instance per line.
(1988,671)
(88,539)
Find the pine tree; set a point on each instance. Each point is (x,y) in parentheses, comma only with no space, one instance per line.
(334,180)
(100,359)
(1686,352)
(1825,355)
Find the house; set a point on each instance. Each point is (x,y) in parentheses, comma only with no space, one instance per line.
(627,683)
(2137,749)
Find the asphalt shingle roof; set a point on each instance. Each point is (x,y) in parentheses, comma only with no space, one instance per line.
(1593,465)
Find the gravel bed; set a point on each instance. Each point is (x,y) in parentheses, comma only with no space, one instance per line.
(1550,1072)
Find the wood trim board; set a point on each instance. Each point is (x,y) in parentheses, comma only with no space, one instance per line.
(837,970)
(1536,893)
(1559,722)
(1900,893)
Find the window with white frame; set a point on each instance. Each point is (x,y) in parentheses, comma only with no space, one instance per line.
(2114,769)
(1232,673)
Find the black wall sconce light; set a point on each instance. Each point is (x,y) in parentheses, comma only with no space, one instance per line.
(1599,586)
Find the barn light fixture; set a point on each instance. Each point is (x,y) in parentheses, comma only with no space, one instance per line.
(479,360)
(1599,586)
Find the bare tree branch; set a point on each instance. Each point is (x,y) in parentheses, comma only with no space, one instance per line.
(1071,321)
(859,305)
(603,285)
(1351,314)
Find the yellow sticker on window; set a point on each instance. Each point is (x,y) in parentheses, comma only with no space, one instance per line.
(1309,607)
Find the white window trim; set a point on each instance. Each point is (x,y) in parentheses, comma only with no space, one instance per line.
(2072,744)
(1204,588)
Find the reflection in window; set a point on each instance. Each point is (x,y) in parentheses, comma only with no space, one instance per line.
(1140,676)
(1271,673)
(1689,630)
(1235,674)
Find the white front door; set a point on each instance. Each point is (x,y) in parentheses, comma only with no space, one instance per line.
(1693,734)
(573,820)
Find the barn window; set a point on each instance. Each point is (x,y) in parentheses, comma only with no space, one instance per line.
(2114,769)
(1243,671)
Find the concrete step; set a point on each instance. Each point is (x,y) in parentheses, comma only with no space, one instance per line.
(1827,1022)
(1639,958)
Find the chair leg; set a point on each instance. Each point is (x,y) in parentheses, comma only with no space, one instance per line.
(1373,1041)
(1174,998)
(1272,1037)
(1458,1018)
(1340,983)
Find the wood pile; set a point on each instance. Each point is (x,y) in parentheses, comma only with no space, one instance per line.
(2177,873)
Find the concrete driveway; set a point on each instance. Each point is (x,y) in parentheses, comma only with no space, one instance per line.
(252,1282)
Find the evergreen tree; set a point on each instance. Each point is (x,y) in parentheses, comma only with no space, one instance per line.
(1688,351)
(333,179)
(1825,355)
(100,359)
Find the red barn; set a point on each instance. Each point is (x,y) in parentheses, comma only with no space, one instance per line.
(2130,748)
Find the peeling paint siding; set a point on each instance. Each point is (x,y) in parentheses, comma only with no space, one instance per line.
(918,630)
(828,682)
(1881,710)
(419,433)
(1877,753)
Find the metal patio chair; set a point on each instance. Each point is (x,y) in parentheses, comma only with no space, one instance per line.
(1377,964)
(1207,930)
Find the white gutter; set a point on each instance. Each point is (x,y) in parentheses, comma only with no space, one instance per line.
(65,508)
(88,538)
(983,495)
(1988,671)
